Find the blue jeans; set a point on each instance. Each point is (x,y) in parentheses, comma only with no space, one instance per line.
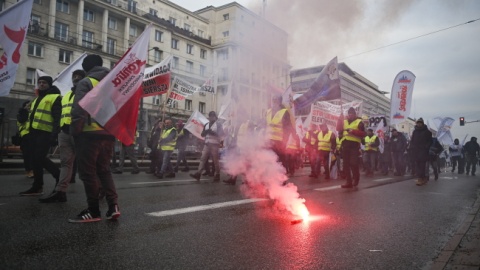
(166,165)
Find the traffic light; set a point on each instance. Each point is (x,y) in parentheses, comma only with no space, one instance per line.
(462,121)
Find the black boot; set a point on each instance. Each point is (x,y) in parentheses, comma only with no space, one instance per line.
(57,196)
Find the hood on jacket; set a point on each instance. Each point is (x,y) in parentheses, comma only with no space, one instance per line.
(52,90)
(98,73)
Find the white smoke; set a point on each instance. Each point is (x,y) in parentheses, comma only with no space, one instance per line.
(263,175)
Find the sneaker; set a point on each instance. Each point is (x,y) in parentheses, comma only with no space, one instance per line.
(86,216)
(135,172)
(195,176)
(113,212)
(32,192)
(347,185)
(30,174)
(117,172)
(56,196)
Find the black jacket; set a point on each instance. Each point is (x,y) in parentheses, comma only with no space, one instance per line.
(472,148)
(398,144)
(421,141)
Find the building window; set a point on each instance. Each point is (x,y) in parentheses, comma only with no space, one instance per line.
(61,31)
(87,39)
(153,12)
(157,100)
(112,23)
(65,56)
(133,30)
(200,33)
(201,107)
(174,43)
(35,49)
(111,45)
(203,70)
(188,104)
(189,48)
(88,15)
(172,20)
(175,62)
(132,6)
(63,6)
(223,54)
(203,53)
(157,55)
(186,26)
(31,75)
(190,66)
(226,33)
(224,74)
(226,16)
(158,36)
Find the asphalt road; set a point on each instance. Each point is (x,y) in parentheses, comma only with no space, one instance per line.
(386,223)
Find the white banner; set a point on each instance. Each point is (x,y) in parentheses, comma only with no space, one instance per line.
(157,78)
(326,112)
(180,90)
(401,100)
(195,124)
(64,80)
(14,23)
(208,85)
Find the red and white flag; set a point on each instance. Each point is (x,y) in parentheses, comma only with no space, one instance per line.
(13,29)
(113,103)
(195,124)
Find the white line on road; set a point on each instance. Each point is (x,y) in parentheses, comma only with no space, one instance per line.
(201,208)
(168,181)
(328,188)
(382,179)
(2,203)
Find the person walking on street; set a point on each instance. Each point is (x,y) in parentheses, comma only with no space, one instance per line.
(311,147)
(66,144)
(26,141)
(472,152)
(182,142)
(127,150)
(213,133)
(434,152)
(93,148)
(419,148)
(353,131)
(155,153)
(398,145)
(371,143)
(44,125)
(455,151)
(167,143)
(326,144)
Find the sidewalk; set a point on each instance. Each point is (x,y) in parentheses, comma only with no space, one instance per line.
(463,249)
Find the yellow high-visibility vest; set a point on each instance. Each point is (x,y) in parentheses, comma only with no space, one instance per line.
(170,146)
(67,102)
(324,141)
(339,142)
(23,128)
(370,140)
(43,119)
(354,126)
(313,139)
(275,125)
(93,126)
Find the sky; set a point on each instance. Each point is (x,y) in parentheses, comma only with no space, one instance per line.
(446,63)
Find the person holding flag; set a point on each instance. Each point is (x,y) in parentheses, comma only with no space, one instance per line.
(94,148)
(353,131)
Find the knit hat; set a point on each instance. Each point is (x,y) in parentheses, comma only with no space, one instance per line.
(420,120)
(352,110)
(92,60)
(79,72)
(48,79)
(393,130)
(212,113)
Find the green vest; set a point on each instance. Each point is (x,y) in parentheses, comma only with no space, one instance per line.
(43,119)
(354,125)
(324,143)
(92,125)
(67,102)
(369,140)
(275,125)
(170,146)
(23,128)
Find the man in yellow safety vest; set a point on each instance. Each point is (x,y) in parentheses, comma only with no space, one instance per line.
(167,143)
(370,153)
(43,122)
(326,144)
(311,147)
(353,131)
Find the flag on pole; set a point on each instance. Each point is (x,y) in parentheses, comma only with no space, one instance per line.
(157,78)
(325,87)
(64,80)
(195,124)
(444,135)
(207,86)
(14,22)
(180,90)
(401,99)
(113,103)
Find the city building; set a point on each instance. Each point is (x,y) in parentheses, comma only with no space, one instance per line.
(218,41)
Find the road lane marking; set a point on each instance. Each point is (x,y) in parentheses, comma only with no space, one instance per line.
(328,188)
(446,177)
(382,179)
(202,207)
(2,203)
(168,181)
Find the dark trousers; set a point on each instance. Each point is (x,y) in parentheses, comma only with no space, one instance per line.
(181,158)
(291,162)
(398,162)
(455,160)
(350,153)
(471,163)
(279,148)
(40,146)
(420,164)
(312,157)
(26,147)
(156,161)
(323,157)
(93,161)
